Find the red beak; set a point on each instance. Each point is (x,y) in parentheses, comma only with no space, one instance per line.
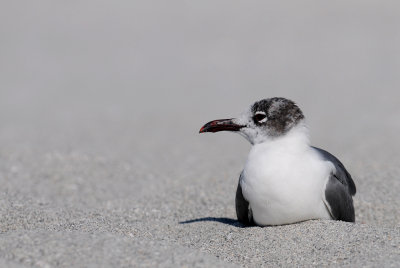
(220,125)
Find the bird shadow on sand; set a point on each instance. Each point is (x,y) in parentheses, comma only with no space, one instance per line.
(227,221)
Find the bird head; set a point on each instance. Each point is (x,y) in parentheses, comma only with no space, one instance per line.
(264,120)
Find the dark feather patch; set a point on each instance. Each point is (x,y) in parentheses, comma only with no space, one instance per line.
(339,200)
(282,115)
(339,189)
(243,210)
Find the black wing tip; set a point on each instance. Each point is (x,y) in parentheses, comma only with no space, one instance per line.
(352,187)
(340,201)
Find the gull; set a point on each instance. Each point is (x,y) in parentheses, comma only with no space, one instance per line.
(286,180)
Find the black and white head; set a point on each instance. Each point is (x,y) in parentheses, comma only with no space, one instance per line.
(264,120)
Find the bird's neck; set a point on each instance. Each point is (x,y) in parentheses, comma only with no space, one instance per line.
(297,139)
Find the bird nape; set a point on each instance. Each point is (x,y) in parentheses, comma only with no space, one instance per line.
(285,179)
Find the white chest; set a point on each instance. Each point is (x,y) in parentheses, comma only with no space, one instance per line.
(285,185)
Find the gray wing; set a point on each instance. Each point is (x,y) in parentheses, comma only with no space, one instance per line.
(243,210)
(339,190)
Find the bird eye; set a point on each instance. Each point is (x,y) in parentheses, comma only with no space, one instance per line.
(260,117)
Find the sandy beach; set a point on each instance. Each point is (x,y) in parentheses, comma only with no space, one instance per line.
(101,163)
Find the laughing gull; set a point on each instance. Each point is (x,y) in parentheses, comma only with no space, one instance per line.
(285,179)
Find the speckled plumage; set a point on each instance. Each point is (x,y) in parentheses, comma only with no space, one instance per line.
(282,115)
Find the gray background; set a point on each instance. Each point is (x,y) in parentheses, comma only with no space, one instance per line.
(101,102)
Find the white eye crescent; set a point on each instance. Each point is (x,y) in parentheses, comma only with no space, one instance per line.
(260,117)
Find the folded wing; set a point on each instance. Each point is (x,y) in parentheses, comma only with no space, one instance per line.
(339,190)
(243,210)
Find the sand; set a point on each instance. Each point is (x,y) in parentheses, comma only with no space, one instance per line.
(101,163)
